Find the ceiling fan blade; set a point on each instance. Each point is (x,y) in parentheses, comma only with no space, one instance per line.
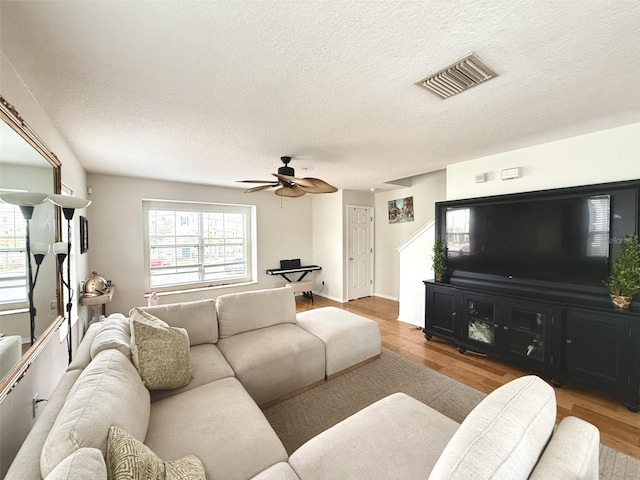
(294,191)
(315,185)
(257,189)
(258,181)
(296,180)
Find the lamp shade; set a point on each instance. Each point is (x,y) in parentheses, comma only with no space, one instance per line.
(60,248)
(66,201)
(39,248)
(23,199)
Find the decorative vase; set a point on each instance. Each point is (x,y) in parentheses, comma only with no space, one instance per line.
(620,301)
(438,277)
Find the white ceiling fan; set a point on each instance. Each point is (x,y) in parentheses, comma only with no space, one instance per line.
(288,185)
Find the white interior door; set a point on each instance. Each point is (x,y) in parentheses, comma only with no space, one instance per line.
(360,252)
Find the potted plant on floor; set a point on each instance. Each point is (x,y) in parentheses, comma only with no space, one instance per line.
(624,280)
(439,259)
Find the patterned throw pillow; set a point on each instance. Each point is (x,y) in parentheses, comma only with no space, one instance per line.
(159,352)
(129,459)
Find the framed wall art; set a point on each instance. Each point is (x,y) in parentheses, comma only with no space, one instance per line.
(84,234)
(401,210)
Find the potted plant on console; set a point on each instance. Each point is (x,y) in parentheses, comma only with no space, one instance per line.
(624,281)
(439,259)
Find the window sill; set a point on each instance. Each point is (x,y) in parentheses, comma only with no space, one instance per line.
(14,311)
(201,289)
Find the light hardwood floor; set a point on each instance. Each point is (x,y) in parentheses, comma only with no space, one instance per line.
(619,428)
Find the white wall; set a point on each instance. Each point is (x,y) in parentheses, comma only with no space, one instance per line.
(426,190)
(415,267)
(327,244)
(116,241)
(604,156)
(45,372)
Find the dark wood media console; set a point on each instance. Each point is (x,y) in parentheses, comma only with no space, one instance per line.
(563,340)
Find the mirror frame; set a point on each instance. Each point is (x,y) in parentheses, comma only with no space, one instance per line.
(10,115)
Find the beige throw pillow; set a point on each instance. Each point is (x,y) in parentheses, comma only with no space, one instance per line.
(129,459)
(159,352)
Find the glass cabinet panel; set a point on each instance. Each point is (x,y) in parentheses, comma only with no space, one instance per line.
(481,321)
(527,336)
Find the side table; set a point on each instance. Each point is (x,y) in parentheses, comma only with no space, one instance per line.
(95,301)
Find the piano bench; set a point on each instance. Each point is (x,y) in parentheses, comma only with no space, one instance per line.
(306,287)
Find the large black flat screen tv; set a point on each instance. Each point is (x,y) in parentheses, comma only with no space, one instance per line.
(567,236)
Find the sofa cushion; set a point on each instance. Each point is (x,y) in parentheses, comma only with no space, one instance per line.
(129,459)
(108,392)
(275,361)
(221,425)
(207,364)
(279,471)
(504,435)
(242,312)
(159,352)
(82,464)
(114,333)
(396,437)
(82,354)
(573,452)
(198,318)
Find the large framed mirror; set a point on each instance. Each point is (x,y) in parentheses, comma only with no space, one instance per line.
(26,165)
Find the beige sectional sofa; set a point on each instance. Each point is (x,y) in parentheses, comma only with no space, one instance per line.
(251,349)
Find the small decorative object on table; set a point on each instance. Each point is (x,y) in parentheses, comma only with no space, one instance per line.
(95,285)
(624,280)
(439,259)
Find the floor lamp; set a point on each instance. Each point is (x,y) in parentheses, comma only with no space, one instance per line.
(69,205)
(27,201)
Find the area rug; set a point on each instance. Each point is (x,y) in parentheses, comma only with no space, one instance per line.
(302,417)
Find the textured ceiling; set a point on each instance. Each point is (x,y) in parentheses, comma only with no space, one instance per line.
(212,92)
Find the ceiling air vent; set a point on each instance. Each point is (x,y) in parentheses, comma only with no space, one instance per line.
(462,75)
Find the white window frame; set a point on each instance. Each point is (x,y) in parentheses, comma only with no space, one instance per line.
(22,302)
(250,243)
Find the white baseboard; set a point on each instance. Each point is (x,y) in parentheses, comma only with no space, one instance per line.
(410,322)
(388,297)
(335,299)
(341,300)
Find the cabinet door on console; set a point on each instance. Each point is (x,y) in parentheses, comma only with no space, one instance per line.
(442,312)
(596,349)
(480,324)
(528,331)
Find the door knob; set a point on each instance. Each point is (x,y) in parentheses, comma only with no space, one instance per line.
(351,259)
(568,340)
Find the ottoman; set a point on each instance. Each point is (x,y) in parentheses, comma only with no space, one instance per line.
(350,339)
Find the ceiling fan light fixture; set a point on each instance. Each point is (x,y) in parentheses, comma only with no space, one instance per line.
(290,185)
(293,191)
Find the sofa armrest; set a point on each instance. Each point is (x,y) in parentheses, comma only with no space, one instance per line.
(572,452)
